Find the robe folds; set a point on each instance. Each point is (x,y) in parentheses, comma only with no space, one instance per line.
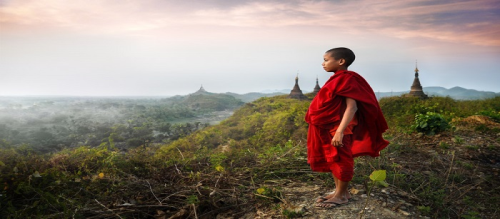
(327,109)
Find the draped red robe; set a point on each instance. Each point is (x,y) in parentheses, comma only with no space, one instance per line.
(328,107)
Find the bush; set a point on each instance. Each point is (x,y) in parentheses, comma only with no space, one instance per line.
(492,114)
(430,123)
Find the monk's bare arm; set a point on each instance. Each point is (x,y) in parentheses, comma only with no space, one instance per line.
(350,110)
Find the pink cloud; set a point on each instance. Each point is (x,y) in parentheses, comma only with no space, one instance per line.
(402,19)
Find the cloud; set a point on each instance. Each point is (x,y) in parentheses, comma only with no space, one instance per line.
(470,21)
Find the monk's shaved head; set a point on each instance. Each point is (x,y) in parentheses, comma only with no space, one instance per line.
(342,53)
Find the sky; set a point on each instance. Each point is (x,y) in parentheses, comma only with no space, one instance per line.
(166,47)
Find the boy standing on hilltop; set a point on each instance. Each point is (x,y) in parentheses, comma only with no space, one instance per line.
(345,121)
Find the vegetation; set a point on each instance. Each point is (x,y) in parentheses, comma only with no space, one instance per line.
(51,124)
(232,168)
(430,123)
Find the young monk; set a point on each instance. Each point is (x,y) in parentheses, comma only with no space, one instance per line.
(345,121)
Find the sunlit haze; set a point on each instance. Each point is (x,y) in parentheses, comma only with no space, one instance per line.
(165,47)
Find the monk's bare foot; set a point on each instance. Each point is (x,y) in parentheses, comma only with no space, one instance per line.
(331,195)
(336,200)
(348,195)
(325,205)
(332,202)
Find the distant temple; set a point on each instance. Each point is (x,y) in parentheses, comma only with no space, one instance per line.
(296,93)
(416,88)
(201,91)
(316,89)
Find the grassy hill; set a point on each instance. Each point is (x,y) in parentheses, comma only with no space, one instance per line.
(263,123)
(249,97)
(206,101)
(244,164)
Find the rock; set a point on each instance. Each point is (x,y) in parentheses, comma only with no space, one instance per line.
(359,186)
(364,196)
(354,191)
(405,213)
(386,191)
(402,193)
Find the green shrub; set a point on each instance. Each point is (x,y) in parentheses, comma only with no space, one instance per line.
(430,123)
(492,114)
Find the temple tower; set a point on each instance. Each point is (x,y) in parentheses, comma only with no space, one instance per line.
(416,87)
(296,93)
(201,91)
(317,88)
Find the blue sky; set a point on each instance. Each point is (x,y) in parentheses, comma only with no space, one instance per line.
(161,48)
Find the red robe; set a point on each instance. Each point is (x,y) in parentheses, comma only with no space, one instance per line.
(328,107)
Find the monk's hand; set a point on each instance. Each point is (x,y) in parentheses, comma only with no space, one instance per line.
(337,139)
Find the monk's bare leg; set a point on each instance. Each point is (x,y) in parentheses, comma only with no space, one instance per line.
(346,194)
(340,195)
(330,195)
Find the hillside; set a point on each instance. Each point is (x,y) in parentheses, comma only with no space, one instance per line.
(253,165)
(205,101)
(249,97)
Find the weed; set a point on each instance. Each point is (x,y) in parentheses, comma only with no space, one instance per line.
(266,193)
(378,178)
(482,128)
(472,147)
(471,215)
(426,210)
(192,199)
(444,145)
(457,178)
(466,165)
(217,160)
(457,139)
(292,214)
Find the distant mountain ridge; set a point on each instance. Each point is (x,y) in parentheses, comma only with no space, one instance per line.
(458,93)
(229,100)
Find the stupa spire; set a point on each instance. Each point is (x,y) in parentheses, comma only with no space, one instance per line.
(296,93)
(416,68)
(317,87)
(201,90)
(416,87)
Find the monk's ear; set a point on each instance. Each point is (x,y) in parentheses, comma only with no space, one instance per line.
(342,62)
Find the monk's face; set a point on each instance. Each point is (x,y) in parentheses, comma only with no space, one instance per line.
(330,64)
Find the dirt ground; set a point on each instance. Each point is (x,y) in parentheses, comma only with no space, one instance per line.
(300,197)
